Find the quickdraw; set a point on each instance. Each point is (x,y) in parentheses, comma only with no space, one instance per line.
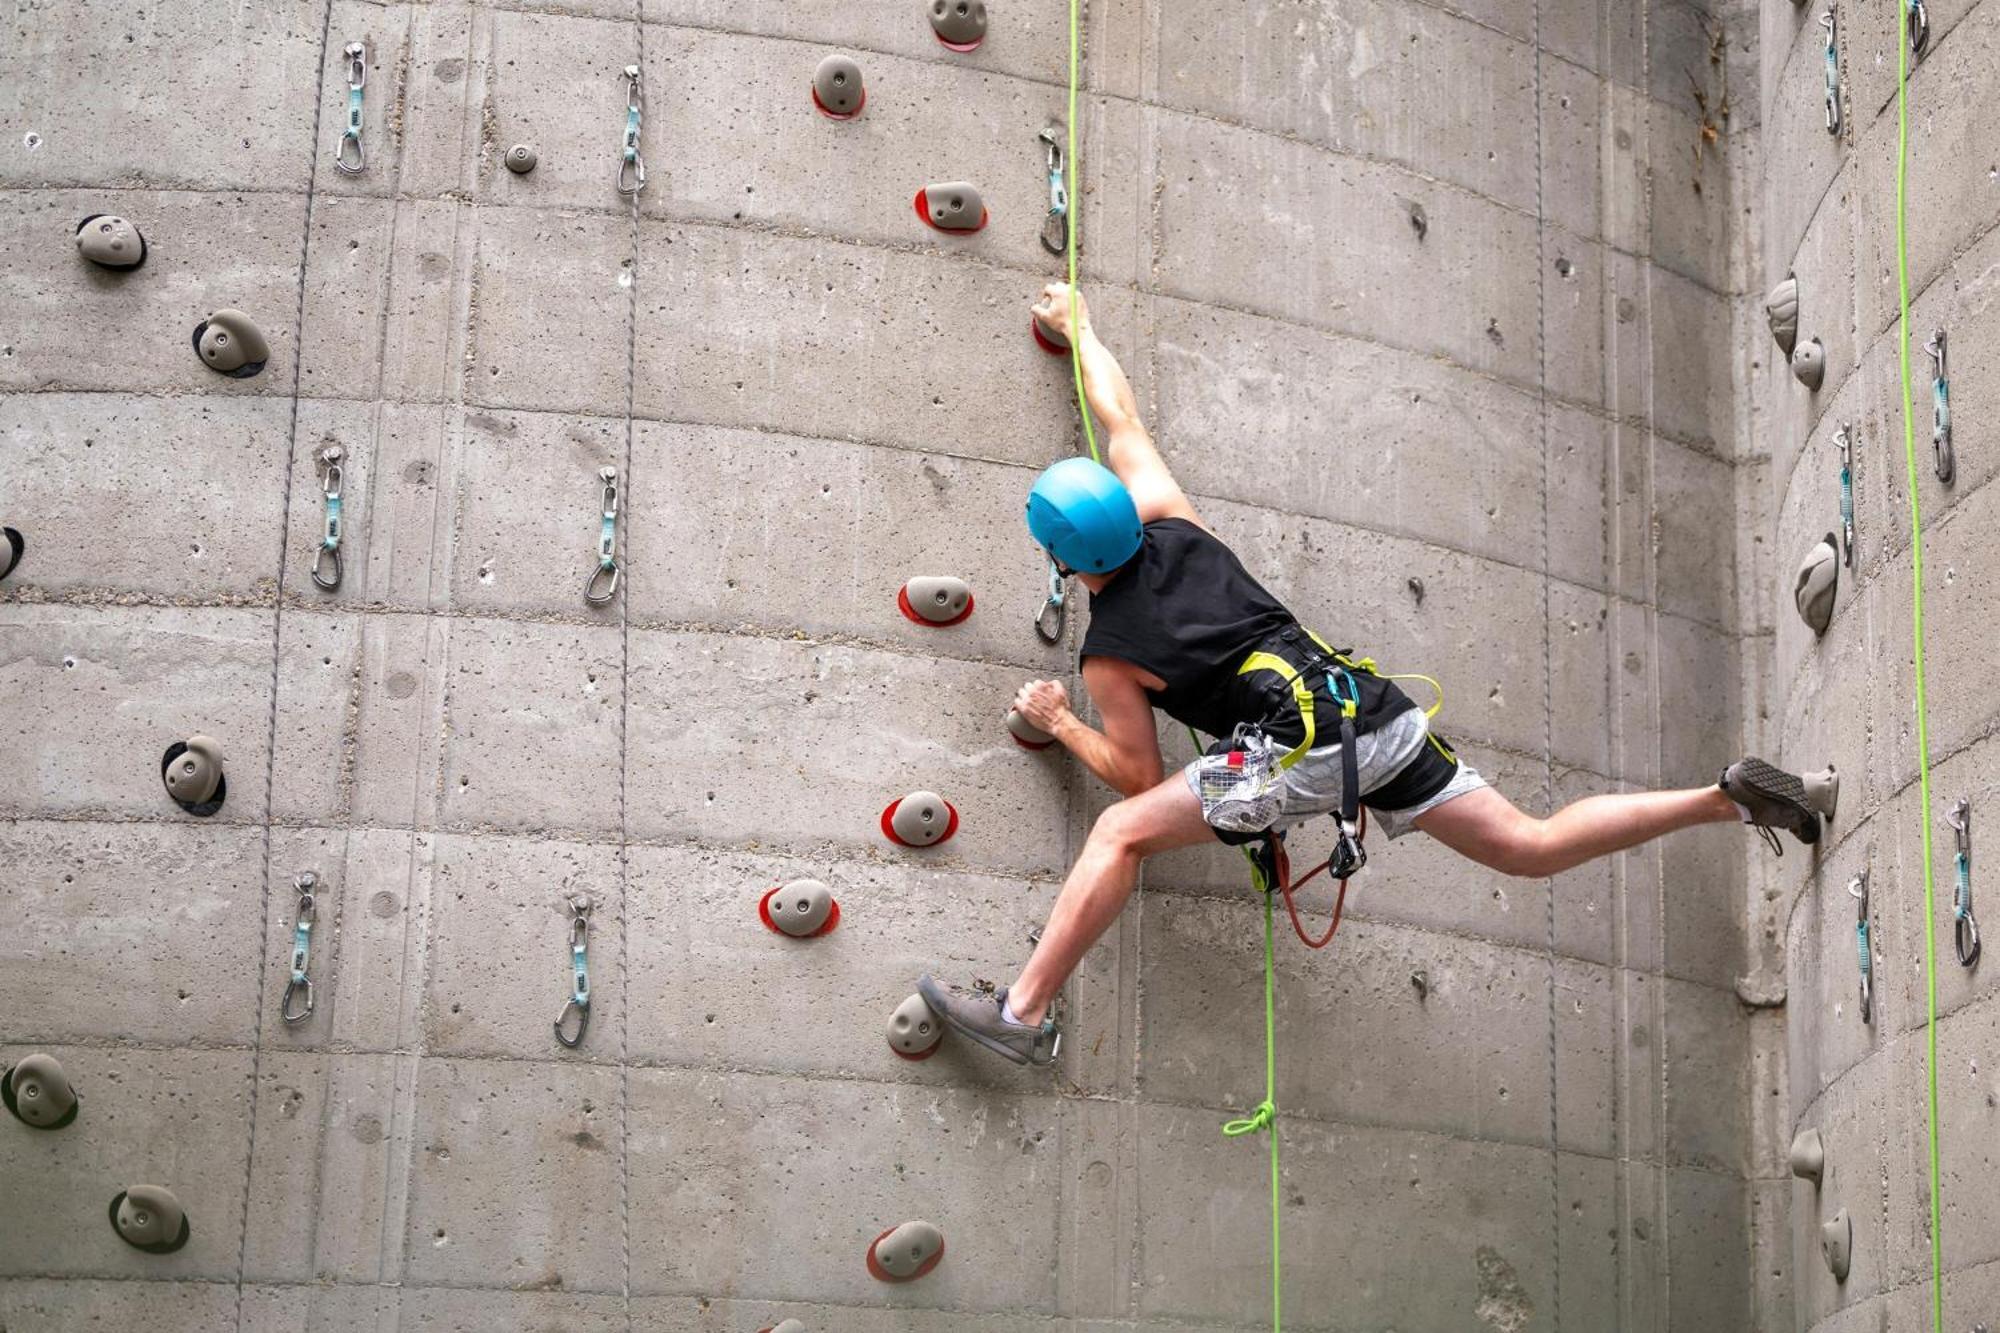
(1054,615)
(578,1005)
(1965,927)
(1942,458)
(1055,227)
(631,167)
(1918,21)
(1844,440)
(326,563)
(300,986)
(602,585)
(1857,888)
(350,138)
(1831,22)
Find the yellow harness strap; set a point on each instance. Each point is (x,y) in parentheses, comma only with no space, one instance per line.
(1302,694)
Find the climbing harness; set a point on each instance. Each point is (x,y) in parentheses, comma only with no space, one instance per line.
(1965,927)
(606,572)
(1844,440)
(300,986)
(579,964)
(1054,615)
(326,564)
(1942,457)
(631,167)
(1919,24)
(350,138)
(1055,227)
(1857,889)
(1831,22)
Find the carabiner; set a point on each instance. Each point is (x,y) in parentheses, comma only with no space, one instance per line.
(1843,439)
(631,167)
(607,544)
(1857,888)
(302,926)
(1831,22)
(1919,25)
(579,962)
(1055,228)
(1054,615)
(331,474)
(357,78)
(1942,458)
(1965,927)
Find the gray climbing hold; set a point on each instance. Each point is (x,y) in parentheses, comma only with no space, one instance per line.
(1822,791)
(1808,1156)
(952,206)
(110,241)
(1781,307)
(920,819)
(192,770)
(837,89)
(959,24)
(39,1093)
(905,1253)
(914,1030)
(1836,1242)
(1026,733)
(16,543)
(801,908)
(1818,581)
(789,1326)
(521,158)
(149,1218)
(935,600)
(228,341)
(1809,364)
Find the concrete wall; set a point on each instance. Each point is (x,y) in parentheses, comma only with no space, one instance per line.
(1828,212)
(1530,405)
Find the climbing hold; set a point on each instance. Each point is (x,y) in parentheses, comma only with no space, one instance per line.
(1822,791)
(914,1030)
(1047,338)
(1809,364)
(952,206)
(521,158)
(39,1093)
(837,89)
(802,909)
(789,1326)
(1808,1156)
(227,341)
(1836,1242)
(936,600)
(1025,733)
(16,543)
(1819,577)
(919,819)
(959,24)
(1781,307)
(192,770)
(110,241)
(149,1218)
(905,1253)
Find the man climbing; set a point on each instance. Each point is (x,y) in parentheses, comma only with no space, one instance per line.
(1178,624)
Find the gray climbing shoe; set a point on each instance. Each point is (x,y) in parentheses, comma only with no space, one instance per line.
(975,1013)
(1780,800)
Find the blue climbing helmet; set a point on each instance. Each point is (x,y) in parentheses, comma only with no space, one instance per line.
(1083,516)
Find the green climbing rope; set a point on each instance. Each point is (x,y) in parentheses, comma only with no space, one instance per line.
(1069,233)
(1266,1115)
(1917,633)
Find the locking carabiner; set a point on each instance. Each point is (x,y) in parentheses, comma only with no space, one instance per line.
(1831,22)
(1857,888)
(1965,927)
(1054,615)
(1843,439)
(350,138)
(328,557)
(631,167)
(300,985)
(579,962)
(1942,458)
(607,544)
(1055,227)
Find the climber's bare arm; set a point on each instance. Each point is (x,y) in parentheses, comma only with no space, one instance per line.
(1128,446)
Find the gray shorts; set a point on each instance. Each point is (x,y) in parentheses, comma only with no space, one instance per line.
(1312,786)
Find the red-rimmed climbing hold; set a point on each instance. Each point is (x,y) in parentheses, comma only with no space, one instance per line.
(905,1252)
(837,90)
(935,601)
(952,206)
(803,909)
(1047,338)
(1025,733)
(921,819)
(960,25)
(915,1030)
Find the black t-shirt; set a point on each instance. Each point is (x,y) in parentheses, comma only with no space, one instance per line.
(1186,610)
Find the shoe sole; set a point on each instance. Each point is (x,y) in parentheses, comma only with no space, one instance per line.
(940,1005)
(1775,784)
